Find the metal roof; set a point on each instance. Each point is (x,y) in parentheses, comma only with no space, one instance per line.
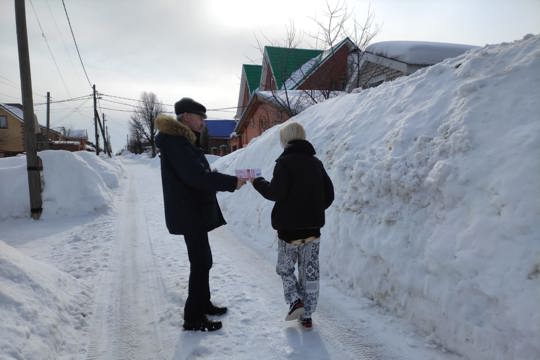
(284,61)
(253,76)
(220,128)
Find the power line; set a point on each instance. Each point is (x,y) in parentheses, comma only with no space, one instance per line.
(16,86)
(126,98)
(117,109)
(60,33)
(138,100)
(8,82)
(227,108)
(49,48)
(76,46)
(67,100)
(118,102)
(76,109)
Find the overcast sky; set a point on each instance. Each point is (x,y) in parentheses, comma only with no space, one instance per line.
(177,48)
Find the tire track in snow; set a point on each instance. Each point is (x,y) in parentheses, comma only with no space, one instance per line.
(245,280)
(126,321)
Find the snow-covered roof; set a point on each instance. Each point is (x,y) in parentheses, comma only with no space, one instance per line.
(311,65)
(14,110)
(301,72)
(65,142)
(77,133)
(299,100)
(418,52)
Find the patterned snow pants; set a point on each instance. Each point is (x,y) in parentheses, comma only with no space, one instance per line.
(306,286)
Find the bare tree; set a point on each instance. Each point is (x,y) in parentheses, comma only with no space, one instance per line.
(282,96)
(292,40)
(338,22)
(335,24)
(142,121)
(135,143)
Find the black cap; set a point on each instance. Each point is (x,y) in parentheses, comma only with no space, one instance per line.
(188,105)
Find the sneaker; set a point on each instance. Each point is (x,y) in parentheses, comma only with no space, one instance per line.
(295,310)
(202,325)
(306,323)
(215,310)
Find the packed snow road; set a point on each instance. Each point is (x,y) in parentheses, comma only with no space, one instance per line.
(140,296)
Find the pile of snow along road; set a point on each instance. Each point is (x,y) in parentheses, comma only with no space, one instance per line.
(437,197)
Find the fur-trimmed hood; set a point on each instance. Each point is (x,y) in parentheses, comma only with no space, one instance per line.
(167,124)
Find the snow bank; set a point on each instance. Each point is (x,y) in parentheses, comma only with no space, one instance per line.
(436,213)
(418,52)
(40,308)
(74,183)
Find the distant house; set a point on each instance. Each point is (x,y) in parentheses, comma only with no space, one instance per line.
(219,133)
(12,133)
(289,81)
(387,60)
(74,140)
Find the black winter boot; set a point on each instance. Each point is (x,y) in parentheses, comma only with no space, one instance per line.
(215,310)
(202,325)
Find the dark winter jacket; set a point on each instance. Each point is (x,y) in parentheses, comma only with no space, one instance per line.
(301,189)
(189,185)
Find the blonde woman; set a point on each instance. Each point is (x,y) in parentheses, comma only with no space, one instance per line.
(302,191)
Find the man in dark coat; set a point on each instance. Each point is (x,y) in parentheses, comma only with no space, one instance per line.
(191,207)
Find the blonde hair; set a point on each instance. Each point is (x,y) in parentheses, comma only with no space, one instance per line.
(292,131)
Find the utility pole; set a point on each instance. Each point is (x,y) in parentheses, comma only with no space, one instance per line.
(107,136)
(105,145)
(33,162)
(103,134)
(96,120)
(48,114)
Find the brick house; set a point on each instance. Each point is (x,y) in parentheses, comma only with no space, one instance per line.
(290,80)
(260,114)
(387,60)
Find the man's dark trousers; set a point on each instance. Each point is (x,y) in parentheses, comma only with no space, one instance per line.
(200,259)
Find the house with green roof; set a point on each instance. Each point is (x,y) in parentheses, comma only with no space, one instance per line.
(285,71)
(249,83)
(329,71)
(279,63)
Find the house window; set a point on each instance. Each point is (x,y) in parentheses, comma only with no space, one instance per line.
(3,122)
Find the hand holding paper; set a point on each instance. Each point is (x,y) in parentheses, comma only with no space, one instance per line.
(248,174)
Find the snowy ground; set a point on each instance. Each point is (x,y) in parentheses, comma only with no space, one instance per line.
(133,276)
(431,244)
